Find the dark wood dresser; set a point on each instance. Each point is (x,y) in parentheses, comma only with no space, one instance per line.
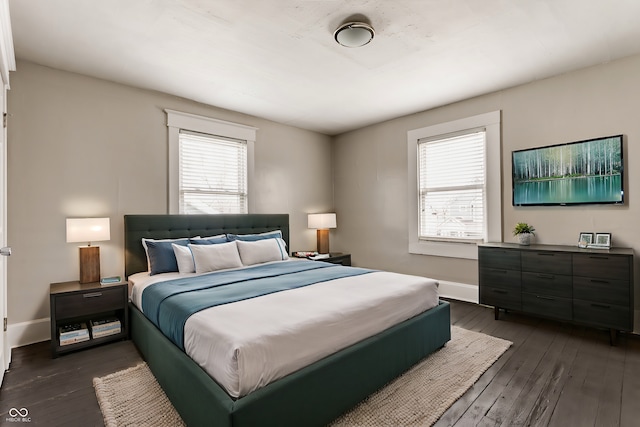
(591,287)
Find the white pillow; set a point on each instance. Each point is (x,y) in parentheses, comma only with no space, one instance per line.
(215,257)
(184,257)
(261,251)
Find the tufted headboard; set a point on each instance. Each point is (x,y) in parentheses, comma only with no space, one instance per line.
(173,226)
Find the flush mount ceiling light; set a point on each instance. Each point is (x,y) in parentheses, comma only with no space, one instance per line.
(354,34)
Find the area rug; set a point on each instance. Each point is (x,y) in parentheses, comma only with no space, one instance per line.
(417,398)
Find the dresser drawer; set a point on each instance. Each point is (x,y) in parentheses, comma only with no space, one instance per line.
(602,315)
(602,266)
(503,298)
(547,306)
(84,303)
(547,284)
(616,292)
(546,262)
(500,278)
(508,259)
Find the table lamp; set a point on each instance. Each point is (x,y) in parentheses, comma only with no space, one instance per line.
(88,230)
(322,222)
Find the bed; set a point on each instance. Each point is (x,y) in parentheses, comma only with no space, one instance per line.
(313,395)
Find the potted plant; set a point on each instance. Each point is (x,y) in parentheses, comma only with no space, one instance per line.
(524,232)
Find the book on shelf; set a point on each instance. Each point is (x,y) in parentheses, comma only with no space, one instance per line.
(106,332)
(105,327)
(73,333)
(73,340)
(104,323)
(73,329)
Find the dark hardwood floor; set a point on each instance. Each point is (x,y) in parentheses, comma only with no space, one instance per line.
(554,375)
(59,392)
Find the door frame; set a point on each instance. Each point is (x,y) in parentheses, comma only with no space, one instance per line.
(7,64)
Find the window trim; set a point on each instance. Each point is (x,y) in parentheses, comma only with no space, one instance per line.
(177,120)
(493,208)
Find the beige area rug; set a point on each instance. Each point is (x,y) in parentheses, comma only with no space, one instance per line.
(417,398)
(133,397)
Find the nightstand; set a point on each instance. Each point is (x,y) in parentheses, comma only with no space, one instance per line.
(72,302)
(336,258)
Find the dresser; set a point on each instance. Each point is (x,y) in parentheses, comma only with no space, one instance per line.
(590,287)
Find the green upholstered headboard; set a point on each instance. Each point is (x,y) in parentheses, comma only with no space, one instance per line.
(173,226)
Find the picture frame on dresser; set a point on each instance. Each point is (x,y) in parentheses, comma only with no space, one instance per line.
(585,239)
(601,241)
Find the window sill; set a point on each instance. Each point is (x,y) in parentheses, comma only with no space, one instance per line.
(445,249)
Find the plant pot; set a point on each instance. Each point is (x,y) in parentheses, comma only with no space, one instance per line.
(524,239)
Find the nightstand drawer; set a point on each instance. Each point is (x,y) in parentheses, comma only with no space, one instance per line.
(339,259)
(85,303)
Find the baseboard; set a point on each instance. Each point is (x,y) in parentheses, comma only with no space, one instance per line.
(459,291)
(25,333)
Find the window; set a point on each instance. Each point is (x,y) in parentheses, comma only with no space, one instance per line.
(455,186)
(451,187)
(213,174)
(210,165)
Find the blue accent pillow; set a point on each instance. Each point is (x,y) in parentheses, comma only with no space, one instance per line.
(254,237)
(209,241)
(162,259)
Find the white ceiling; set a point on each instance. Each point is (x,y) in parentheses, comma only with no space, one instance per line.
(277,59)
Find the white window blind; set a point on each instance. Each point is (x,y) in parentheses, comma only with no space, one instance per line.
(451,179)
(213,174)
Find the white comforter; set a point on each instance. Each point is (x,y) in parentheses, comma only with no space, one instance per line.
(249,344)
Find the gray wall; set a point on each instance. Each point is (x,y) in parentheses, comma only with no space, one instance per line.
(80,146)
(370,168)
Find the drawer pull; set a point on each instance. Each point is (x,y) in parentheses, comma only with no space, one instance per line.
(545,254)
(92,295)
(600,305)
(545,298)
(598,257)
(500,291)
(600,281)
(546,276)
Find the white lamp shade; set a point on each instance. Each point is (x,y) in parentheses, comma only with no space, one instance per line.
(321,221)
(88,229)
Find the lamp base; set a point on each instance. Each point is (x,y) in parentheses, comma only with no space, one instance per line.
(89,264)
(323,241)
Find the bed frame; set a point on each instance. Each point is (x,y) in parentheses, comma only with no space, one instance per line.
(312,396)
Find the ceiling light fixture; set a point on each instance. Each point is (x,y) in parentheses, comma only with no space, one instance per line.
(354,34)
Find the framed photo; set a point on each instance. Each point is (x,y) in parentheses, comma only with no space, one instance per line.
(602,240)
(585,239)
